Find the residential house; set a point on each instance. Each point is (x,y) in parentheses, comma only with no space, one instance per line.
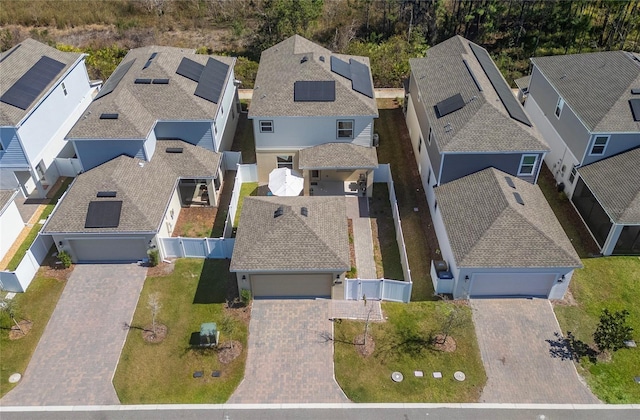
(500,238)
(291,246)
(116,211)
(11,222)
(159,93)
(43,93)
(313,111)
(587,107)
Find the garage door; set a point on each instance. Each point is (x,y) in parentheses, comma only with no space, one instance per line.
(513,284)
(108,250)
(291,285)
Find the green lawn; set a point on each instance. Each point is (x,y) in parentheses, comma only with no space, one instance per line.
(33,233)
(399,347)
(243,140)
(385,251)
(37,305)
(247,188)
(162,373)
(613,283)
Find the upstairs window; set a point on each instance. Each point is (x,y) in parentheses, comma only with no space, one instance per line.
(285,161)
(559,107)
(419,144)
(64,89)
(599,145)
(345,129)
(527,165)
(430,136)
(266,126)
(572,175)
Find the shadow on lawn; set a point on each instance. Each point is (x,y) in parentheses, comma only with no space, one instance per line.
(216,284)
(570,348)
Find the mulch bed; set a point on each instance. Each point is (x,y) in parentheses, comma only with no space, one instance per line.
(160,270)
(352,246)
(52,270)
(366,349)
(228,351)
(158,337)
(448,346)
(195,222)
(16,333)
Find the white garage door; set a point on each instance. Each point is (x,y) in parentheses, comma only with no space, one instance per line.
(512,284)
(291,285)
(111,250)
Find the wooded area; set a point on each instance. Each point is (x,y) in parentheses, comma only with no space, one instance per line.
(388,31)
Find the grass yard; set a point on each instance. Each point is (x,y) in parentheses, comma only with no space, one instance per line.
(612,283)
(243,140)
(37,305)
(385,247)
(161,373)
(247,188)
(400,346)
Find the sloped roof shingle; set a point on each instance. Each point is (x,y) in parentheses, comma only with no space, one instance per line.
(338,155)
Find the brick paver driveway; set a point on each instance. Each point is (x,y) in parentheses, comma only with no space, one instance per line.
(288,359)
(516,338)
(77,355)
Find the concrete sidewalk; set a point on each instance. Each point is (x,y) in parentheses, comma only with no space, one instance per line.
(358,212)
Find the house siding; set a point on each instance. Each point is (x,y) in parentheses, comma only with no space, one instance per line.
(568,126)
(12,156)
(199,133)
(169,222)
(227,117)
(459,165)
(617,143)
(11,225)
(96,152)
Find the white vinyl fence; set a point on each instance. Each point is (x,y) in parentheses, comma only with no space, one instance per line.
(381,289)
(179,247)
(19,280)
(244,173)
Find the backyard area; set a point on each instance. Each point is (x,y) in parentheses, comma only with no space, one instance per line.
(404,343)
(194,292)
(385,247)
(611,283)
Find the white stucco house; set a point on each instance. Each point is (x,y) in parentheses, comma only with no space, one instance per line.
(313,111)
(43,92)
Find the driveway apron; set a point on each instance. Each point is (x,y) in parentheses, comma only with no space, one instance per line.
(524,360)
(289,359)
(79,350)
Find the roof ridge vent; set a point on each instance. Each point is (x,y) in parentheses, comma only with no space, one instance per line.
(304,211)
(518,198)
(279,212)
(174,150)
(304,59)
(109,116)
(510,182)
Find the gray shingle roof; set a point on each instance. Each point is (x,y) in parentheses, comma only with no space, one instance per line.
(6,197)
(140,105)
(483,124)
(292,242)
(16,62)
(614,182)
(523,82)
(145,188)
(338,155)
(596,86)
(280,67)
(488,228)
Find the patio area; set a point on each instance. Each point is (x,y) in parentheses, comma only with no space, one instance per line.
(324,188)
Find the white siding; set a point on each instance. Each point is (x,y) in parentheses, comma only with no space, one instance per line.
(11,224)
(224,136)
(445,247)
(169,222)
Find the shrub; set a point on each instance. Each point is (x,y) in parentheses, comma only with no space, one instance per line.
(245,296)
(154,257)
(65,259)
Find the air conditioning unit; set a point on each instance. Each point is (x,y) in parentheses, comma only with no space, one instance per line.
(376,140)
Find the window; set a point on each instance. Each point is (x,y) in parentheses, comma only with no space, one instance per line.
(266,126)
(221,110)
(599,145)
(430,136)
(527,164)
(315,174)
(233,114)
(64,89)
(559,107)
(40,170)
(572,175)
(345,129)
(429,178)
(435,205)
(419,144)
(285,161)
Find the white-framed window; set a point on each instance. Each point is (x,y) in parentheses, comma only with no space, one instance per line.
(430,136)
(599,145)
(419,144)
(345,129)
(285,161)
(527,164)
(64,89)
(266,126)
(559,107)
(572,175)
(40,170)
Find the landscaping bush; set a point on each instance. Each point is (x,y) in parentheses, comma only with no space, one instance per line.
(154,257)
(245,296)
(65,259)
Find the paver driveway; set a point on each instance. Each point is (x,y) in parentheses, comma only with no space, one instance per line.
(516,338)
(288,359)
(78,352)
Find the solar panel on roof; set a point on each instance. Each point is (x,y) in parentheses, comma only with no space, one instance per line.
(10,52)
(211,81)
(361,78)
(142,81)
(107,116)
(449,105)
(510,182)
(340,67)
(503,90)
(314,91)
(160,81)
(115,78)
(518,198)
(190,69)
(103,214)
(28,87)
(635,108)
(106,194)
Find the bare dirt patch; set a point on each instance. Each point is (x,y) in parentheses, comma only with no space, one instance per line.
(447,345)
(155,337)
(195,222)
(567,300)
(17,333)
(228,351)
(364,349)
(160,270)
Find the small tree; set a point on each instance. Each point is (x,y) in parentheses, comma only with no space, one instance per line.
(228,327)
(613,330)
(65,259)
(453,320)
(154,305)
(154,257)
(10,307)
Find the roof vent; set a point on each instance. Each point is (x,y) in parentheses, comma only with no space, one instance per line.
(304,211)
(448,127)
(304,59)
(108,116)
(106,194)
(279,211)
(151,57)
(142,81)
(321,58)
(160,81)
(174,150)
(518,198)
(510,182)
